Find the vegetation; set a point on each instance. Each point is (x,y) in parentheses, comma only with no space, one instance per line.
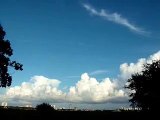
(45,107)
(5,53)
(145,88)
(25,114)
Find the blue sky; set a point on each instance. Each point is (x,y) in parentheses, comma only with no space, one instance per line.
(62,39)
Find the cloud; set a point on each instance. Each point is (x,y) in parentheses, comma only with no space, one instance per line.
(126,70)
(38,88)
(114,17)
(98,72)
(90,90)
(86,90)
(73,76)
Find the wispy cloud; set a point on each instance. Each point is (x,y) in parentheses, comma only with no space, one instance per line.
(116,18)
(98,72)
(73,76)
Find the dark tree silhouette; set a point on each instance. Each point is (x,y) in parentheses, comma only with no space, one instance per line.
(5,53)
(145,87)
(44,107)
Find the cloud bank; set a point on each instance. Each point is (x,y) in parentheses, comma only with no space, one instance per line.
(114,17)
(87,90)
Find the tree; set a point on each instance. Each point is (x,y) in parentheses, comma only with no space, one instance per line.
(5,53)
(144,87)
(44,107)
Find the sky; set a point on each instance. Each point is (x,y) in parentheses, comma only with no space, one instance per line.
(78,52)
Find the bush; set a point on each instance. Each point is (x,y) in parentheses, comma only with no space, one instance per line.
(45,107)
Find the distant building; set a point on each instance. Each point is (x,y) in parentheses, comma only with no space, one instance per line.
(54,107)
(4,104)
(28,106)
(130,109)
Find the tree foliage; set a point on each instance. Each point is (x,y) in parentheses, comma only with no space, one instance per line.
(44,107)
(5,53)
(144,87)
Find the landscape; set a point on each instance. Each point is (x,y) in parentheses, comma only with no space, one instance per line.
(79,59)
(32,113)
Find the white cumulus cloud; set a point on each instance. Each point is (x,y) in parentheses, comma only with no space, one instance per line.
(90,90)
(114,17)
(126,70)
(42,89)
(38,88)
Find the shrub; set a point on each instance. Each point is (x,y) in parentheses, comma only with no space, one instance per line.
(45,107)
